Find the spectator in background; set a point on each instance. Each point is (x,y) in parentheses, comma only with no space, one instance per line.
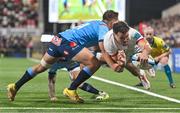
(19,13)
(167,28)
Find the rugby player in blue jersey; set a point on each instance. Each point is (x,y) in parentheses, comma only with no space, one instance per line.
(72,44)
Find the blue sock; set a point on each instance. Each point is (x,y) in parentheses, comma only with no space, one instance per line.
(89,88)
(84,74)
(28,75)
(168,74)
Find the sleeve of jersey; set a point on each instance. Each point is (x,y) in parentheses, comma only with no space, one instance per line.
(136,35)
(103,29)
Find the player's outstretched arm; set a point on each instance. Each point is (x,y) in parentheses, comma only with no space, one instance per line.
(146,49)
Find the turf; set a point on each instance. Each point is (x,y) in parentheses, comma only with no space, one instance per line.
(33,97)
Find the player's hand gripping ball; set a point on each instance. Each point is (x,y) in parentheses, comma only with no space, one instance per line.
(120,59)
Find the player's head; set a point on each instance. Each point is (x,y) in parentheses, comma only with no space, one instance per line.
(110,17)
(120,31)
(148,34)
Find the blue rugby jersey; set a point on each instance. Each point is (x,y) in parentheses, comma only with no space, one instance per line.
(87,34)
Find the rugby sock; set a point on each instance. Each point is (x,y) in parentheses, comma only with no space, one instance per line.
(28,75)
(89,88)
(168,74)
(84,74)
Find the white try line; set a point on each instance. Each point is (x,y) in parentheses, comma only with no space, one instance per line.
(131,88)
(58,108)
(136,89)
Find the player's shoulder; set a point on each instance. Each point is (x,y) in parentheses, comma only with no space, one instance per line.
(158,39)
(132,30)
(109,35)
(109,42)
(134,34)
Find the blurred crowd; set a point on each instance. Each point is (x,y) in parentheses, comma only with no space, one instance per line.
(12,45)
(168,28)
(24,14)
(18,13)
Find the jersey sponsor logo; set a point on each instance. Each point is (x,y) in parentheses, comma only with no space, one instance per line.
(56,41)
(72,44)
(50,49)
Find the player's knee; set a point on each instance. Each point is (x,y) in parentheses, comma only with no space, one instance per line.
(74,73)
(45,64)
(95,62)
(51,75)
(38,68)
(164,60)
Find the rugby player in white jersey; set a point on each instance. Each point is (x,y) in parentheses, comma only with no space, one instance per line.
(123,37)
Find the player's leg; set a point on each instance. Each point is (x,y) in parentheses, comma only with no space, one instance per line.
(151,72)
(30,73)
(51,86)
(140,74)
(47,60)
(52,80)
(91,65)
(99,95)
(164,62)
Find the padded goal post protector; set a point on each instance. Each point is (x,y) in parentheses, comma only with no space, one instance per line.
(176,59)
(46,37)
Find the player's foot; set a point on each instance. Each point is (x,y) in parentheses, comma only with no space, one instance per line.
(139,84)
(172,85)
(53,99)
(151,72)
(146,84)
(72,94)
(11,91)
(102,96)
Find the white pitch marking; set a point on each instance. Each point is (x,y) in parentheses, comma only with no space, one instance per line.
(58,108)
(132,88)
(136,89)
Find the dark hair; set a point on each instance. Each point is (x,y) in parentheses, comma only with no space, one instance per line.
(109,15)
(120,27)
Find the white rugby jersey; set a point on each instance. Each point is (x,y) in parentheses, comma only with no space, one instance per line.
(112,47)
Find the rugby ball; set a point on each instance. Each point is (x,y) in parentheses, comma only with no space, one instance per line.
(135,60)
(119,57)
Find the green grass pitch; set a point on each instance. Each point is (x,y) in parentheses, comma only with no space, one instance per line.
(33,96)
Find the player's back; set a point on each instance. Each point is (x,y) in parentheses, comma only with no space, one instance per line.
(86,34)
